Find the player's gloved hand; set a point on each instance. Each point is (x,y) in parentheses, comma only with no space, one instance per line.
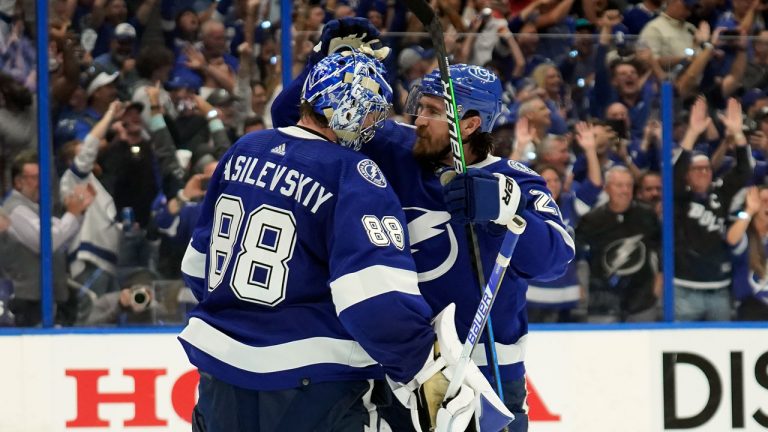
(475,402)
(480,196)
(349,33)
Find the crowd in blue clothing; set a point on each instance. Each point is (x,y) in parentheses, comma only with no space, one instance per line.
(581,78)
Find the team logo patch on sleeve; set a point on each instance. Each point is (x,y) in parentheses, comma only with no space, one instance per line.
(371,172)
(521,167)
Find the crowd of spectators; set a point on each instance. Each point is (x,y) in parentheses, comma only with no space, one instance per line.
(146,96)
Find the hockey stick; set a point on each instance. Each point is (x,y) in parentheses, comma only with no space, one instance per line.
(515,227)
(431,23)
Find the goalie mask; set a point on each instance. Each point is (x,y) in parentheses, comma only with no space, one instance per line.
(350,91)
(475,89)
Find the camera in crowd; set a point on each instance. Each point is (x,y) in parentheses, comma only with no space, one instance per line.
(139,286)
(620,127)
(141,297)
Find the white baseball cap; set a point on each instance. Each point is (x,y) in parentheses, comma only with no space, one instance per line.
(125,31)
(99,81)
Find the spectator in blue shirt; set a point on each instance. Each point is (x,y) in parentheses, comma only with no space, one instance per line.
(620,83)
(212,63)
(108,14)
(120,58)
(101,91)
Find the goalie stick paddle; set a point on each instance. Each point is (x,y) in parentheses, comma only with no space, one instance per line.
(427,17)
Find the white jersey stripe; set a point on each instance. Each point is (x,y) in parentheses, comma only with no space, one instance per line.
(553,295)
(702,285)
(193,263)
(742,246)
(507,354)
(564,233)
(274,358)
(353,288)
(298,132)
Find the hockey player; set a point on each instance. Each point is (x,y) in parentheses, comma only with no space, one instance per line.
(307,289)
(413,158)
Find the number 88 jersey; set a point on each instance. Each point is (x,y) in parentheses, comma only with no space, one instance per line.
(299,263)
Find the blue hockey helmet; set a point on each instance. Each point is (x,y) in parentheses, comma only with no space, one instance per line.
(475,88)
(350,91)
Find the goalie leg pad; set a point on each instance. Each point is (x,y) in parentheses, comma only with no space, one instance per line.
(425,393)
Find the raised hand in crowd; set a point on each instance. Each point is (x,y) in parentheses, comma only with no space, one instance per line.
(698,122)
(533,8)
(115,111)
(610,19)
(606,23)
(153,94)
(703,33)
(644,55)
(203,105)
(752,205)
(585,137)
(620,148)
(524,132)
(245,50)
(195,59)
(523,139)
(651,135)
(194,189)
(651,64)
(81,197)
(734,122)
(119,129)
(56,30)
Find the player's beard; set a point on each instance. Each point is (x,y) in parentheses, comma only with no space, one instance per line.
(428,150)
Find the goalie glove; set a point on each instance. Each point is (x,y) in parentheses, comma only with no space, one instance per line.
(475,402)
(480,196)
(350,33)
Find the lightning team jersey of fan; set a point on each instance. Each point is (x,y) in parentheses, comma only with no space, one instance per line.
(301,266)
(443,256)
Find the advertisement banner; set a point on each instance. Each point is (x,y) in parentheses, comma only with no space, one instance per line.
(608,380)
(649,380)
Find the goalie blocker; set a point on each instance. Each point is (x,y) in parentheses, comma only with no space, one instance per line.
(476,403)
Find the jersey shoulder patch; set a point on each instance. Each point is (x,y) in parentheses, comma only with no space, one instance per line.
(371,173)
(515,165)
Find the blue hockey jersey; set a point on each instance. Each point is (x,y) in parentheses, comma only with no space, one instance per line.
(301,266)
(443,256)
(564,292)
(440,248)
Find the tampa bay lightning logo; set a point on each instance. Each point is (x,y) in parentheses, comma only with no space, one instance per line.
(433,242)
(371,172)
(481,73)
(520,167)
(624,257)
